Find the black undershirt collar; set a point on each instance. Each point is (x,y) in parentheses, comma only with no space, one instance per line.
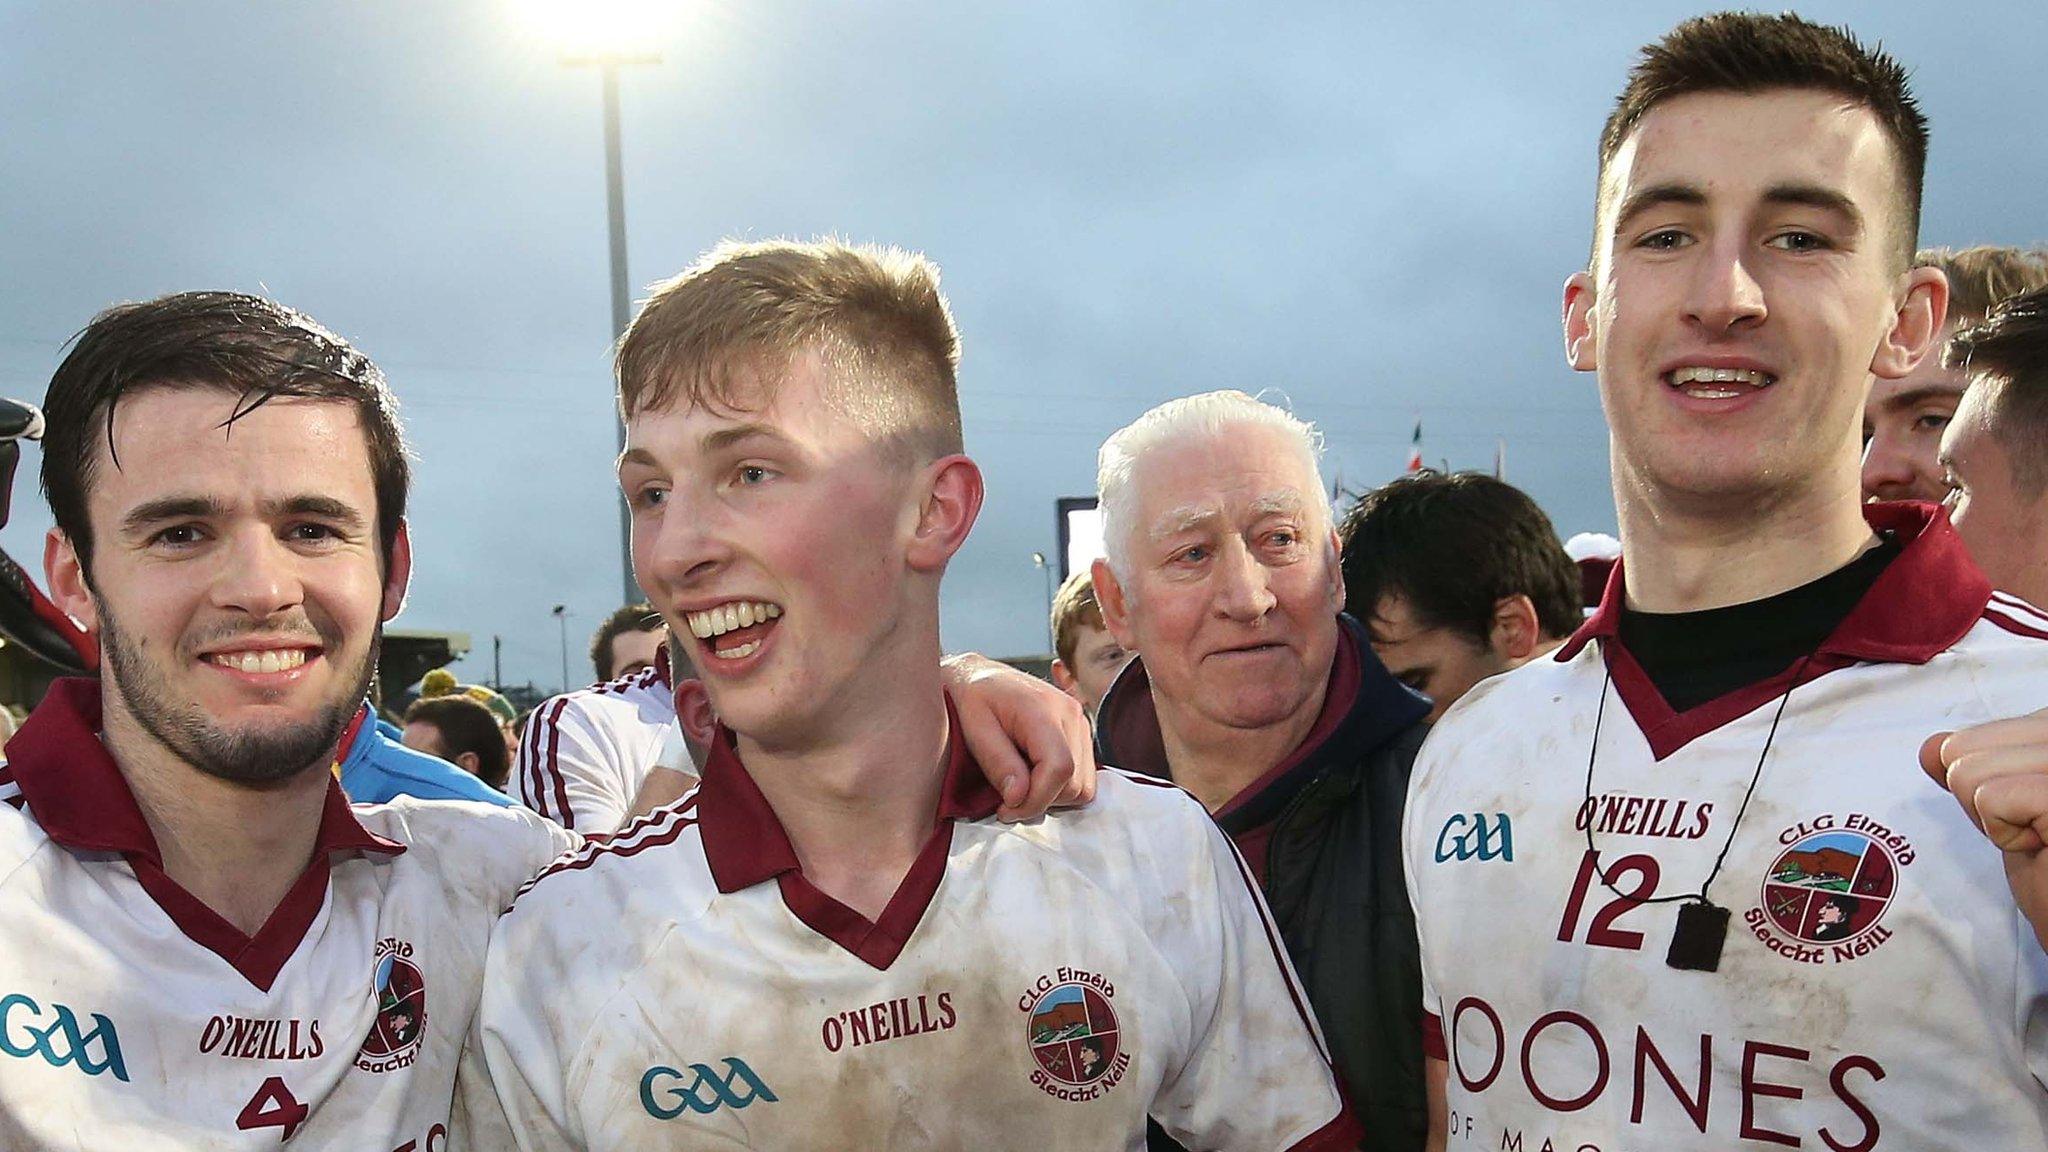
(1694,657)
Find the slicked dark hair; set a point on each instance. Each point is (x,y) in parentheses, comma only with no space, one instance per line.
(2008,352)
(1452,547)
(255,348)
(1749,52)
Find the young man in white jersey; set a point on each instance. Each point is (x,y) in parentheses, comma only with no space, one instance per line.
(206,946)
(1680,887)
(832,943)
(585,754)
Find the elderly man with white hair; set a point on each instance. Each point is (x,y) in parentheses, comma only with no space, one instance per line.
(1253,692)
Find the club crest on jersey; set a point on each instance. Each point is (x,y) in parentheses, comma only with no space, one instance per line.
(401,992)
(1074,1035)
(1832,881)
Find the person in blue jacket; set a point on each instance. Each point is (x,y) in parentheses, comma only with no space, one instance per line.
(374,767)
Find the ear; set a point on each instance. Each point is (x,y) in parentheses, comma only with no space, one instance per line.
(1116,607)
(1063,679)
(693,709)
(1916,330)
(1516,630)
(467,761)
(64,575)
(1336,572)
(398,574)
(1581,334)
(951,493)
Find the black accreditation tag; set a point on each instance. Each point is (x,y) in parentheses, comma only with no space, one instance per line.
(1696,944)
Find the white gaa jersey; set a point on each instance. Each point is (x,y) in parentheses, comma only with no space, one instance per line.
(1878,989)
(1029,986)
(133,1017)
(585,753)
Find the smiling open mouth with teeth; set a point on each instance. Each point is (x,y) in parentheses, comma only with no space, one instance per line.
(1719,383)
(266,660)
(734,630)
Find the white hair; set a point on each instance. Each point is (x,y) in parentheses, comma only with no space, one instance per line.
(1205,416)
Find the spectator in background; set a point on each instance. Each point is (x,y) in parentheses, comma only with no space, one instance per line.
(1994,456)
(626,642)
(1903,419)
(460,730)
(585,754)
(1457,578)
(1087,657)
(442,682)
(1250,690)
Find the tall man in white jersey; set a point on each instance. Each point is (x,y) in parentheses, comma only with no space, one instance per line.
(1680,887)
(832,943)
(205,946)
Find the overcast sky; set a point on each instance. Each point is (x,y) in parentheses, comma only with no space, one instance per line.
(1371,212)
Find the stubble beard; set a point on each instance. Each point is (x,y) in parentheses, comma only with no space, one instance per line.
(251,758)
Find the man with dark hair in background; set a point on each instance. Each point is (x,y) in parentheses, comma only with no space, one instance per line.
(1903,419)
(626,642)
(463,732)
(1457,578)
(1994,456)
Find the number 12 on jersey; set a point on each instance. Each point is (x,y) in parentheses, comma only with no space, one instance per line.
(1633,879)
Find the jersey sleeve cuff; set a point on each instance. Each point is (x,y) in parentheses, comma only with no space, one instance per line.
(1433,1045)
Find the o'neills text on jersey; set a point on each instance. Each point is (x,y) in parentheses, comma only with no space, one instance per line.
(896,1019)
(1620,814)
(241,1038)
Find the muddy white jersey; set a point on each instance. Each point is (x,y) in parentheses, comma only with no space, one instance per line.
(132,1016)
(584,754)
(1029,986)
(1877,989)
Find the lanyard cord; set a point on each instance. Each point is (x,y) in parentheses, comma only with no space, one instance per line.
(1592,755)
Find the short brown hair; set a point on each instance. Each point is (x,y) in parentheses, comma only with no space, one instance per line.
(1748,52)
(875,314)
(255,349)
(2008,354)
(1982,276)
(466,725)
(1072,610)
(639,617)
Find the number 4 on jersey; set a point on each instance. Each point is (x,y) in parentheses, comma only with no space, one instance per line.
(273,1106)
(1602,933)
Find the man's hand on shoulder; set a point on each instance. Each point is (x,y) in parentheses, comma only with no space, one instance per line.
(1031,739)
(1998,772)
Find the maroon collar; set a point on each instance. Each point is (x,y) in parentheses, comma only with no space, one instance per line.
(80,798)
(1926,599)
(744,841)
(1922,603)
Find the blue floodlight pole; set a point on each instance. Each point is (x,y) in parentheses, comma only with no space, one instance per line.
(608,65)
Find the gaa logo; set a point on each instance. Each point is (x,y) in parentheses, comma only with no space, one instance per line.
(25,1031)
(401,993)
(1476,837)
(706,1094)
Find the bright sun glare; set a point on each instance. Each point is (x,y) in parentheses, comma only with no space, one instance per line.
(603,27)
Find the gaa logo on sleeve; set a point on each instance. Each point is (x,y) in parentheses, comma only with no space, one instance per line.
(401,1020)
(1829,886)
(1074,1036)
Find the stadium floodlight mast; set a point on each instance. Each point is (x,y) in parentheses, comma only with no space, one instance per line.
(608,35)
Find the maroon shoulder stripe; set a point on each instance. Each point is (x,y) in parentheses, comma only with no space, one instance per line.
(2015,625)
(595,849)
(1294,992)
(551,773)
